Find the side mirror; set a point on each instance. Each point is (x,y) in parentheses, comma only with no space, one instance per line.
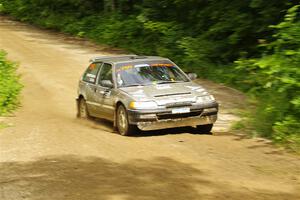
(107,83)
(192,76)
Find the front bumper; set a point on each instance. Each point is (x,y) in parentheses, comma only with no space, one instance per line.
(162,119)
(172,123)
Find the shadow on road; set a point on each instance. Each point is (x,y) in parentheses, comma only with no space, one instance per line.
(73,177)
(170,131)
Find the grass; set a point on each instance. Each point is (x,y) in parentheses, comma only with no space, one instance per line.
(10,86)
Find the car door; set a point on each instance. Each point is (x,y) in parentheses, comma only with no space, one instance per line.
(105,91)
(89,84)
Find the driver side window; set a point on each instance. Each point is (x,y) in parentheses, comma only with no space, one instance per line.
(105,74)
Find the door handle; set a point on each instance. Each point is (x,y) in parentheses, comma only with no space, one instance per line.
(105,92)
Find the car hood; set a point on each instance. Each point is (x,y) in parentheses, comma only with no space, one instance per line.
(166,93)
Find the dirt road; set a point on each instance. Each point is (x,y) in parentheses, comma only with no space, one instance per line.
(49,154)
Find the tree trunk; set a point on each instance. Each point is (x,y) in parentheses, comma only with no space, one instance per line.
(113,5)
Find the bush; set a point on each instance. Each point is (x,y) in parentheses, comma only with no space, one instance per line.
(9,85)
(195,33)
(274,79)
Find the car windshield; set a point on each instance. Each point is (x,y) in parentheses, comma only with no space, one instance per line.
(148,74)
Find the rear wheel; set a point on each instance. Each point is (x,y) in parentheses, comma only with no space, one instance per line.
(82,109)
(124,128)
(205,129)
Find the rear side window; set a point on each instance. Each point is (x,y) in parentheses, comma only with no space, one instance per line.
(90,75)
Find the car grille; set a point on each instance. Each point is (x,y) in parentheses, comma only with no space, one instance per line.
(177,116)
(178,104)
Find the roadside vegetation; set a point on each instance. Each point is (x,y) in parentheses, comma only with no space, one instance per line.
(251,45)
(9,86)
(274,79)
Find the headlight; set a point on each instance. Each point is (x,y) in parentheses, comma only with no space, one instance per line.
(205,98)
(143,105)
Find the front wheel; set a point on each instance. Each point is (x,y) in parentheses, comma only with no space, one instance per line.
(205,129)
(123,125)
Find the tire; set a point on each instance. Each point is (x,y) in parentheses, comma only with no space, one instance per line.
(82,109)
(204,129)
(123,126)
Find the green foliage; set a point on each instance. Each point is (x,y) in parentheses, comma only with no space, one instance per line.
(275,79)
(1,8)
(9,85)
(196,33)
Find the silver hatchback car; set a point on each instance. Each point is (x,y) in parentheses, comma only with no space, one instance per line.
(144,92)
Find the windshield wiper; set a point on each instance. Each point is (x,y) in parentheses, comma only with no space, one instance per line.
(165,82)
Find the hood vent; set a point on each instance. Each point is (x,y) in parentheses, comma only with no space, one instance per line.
(173,94)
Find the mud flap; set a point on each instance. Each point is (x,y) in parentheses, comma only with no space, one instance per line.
(115,129)
(77,107)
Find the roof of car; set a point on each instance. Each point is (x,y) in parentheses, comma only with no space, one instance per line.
(125,58)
